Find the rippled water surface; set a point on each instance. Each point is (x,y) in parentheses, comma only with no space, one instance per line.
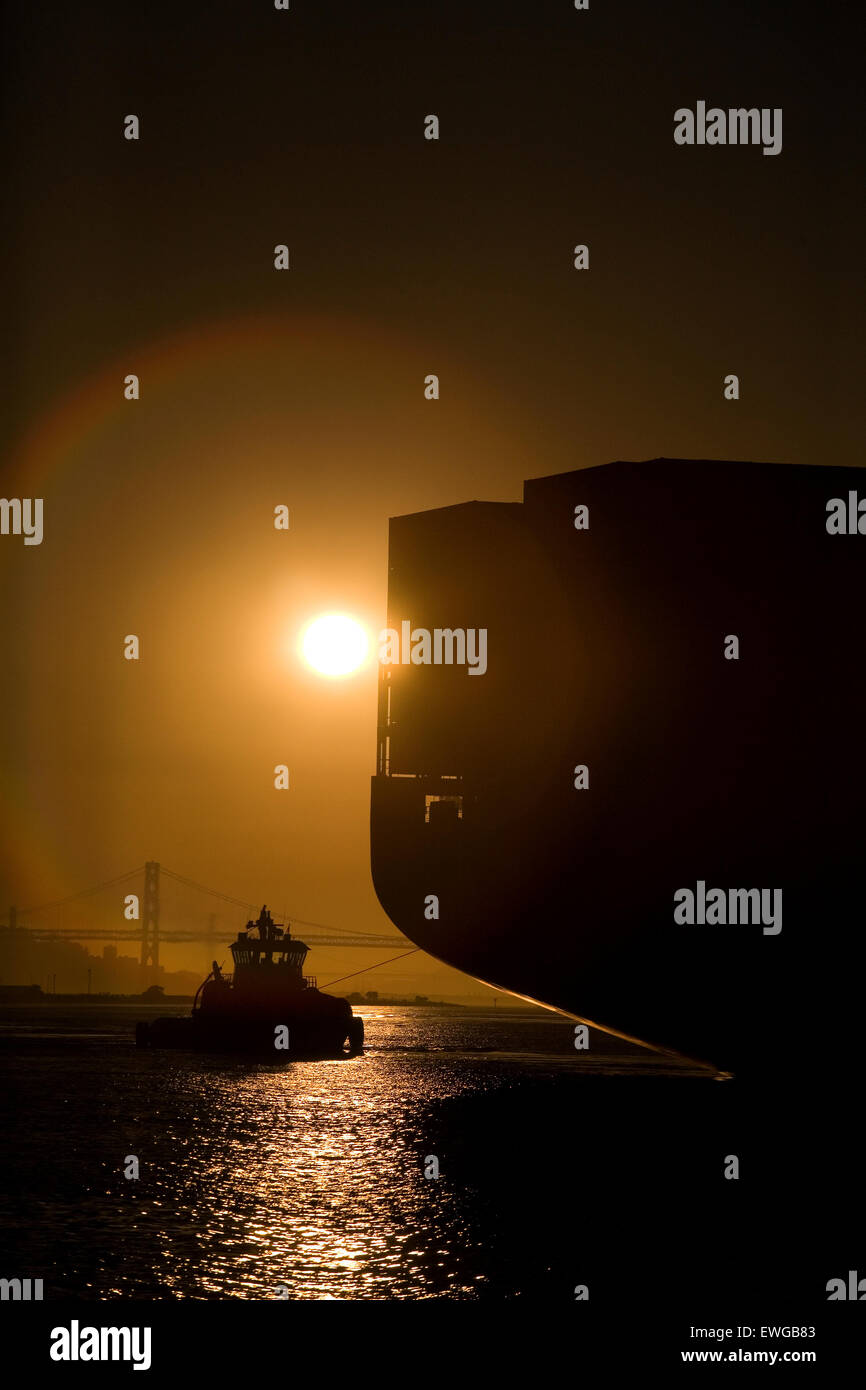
(305,1179)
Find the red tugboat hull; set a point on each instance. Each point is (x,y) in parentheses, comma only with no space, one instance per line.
(304,1038)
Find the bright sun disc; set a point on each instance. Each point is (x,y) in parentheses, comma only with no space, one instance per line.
(334,645)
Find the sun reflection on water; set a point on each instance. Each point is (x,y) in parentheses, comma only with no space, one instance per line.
(300,1181)
(306,1182)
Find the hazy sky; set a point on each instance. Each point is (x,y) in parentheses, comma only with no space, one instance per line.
(305,387)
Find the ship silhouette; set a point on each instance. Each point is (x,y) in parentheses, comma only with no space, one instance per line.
(266,1005)
(533,826)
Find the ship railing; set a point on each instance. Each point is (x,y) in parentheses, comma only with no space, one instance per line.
(310,982)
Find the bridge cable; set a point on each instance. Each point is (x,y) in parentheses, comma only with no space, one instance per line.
(279,917)
(83,893)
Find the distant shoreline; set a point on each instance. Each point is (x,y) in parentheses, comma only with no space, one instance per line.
(31,999)
(23,999)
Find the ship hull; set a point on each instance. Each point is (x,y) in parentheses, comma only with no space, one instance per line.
(545,826)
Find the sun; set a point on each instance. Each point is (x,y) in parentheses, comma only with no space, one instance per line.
(334,644)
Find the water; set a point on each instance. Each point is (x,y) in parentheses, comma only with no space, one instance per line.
(307,1180)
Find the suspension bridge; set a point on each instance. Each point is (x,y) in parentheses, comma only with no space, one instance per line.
(139,909)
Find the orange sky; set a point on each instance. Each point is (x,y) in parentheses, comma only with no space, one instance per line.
(306,387)
(159,522)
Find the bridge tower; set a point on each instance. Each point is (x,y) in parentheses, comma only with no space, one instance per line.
(150,917)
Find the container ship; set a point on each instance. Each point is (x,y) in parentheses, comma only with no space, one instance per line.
(638,797)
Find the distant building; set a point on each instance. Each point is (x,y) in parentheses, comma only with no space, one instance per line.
(12,994)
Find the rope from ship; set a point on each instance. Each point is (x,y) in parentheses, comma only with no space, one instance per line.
(413,952)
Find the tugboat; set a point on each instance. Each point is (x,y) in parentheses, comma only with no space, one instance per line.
(266,1005)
